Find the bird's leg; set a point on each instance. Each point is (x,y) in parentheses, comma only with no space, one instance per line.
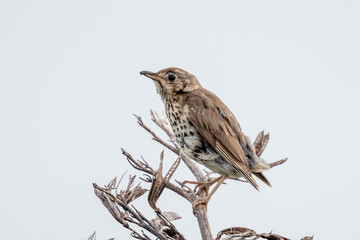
(202,185)
(206,200)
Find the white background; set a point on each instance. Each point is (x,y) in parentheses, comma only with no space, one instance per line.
(69,84)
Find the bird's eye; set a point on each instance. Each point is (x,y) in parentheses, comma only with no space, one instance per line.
(171,77)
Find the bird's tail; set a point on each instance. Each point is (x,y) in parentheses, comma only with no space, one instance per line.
(262,177)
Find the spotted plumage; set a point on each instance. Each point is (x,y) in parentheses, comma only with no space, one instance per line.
(205,128)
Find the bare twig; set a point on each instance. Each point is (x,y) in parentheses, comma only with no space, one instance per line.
(308,238)
(246,233)
(261,142)
(159,183)
(144,167)
(272,236)
(274,164)
(92,236)
(162,222)
(155,137)
(236,232)
(110,202)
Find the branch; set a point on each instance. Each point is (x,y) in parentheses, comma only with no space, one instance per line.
(129,215)
(161,227)
(260,144)
(188,195)
(247,233)
(144,167)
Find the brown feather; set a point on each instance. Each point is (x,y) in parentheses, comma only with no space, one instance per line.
(213,120)
(262,177)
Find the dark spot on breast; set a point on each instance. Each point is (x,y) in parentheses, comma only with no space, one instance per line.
(174,123)
(185,135)
(181,127)
(191,133)
(197,149)
(206,147)
(185,127)
(196,155)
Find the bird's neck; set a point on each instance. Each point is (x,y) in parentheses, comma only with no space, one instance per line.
(170,99)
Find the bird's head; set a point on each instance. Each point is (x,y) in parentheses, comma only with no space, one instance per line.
(172,81)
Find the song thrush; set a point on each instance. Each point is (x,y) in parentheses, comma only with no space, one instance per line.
(206,129)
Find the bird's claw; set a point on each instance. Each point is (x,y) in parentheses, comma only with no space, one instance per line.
(199,186)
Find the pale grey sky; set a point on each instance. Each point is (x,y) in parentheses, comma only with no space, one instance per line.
(69,84)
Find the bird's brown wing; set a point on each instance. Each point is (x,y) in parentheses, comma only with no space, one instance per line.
(206,115)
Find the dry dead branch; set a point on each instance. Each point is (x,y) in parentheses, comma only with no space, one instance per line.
(119,202)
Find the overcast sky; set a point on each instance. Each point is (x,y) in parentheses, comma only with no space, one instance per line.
(69,84)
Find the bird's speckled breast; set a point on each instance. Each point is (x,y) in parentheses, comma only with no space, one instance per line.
(193,144)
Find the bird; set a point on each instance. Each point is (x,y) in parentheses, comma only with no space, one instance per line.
(206,129)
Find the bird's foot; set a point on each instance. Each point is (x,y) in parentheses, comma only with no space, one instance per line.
(198,186)
(201,185)
(206,186)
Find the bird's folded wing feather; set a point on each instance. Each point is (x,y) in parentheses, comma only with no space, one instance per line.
(213,126)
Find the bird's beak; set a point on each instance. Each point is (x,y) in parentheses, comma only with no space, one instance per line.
(151,75)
